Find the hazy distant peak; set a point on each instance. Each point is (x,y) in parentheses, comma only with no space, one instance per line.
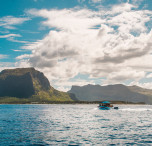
(117,92)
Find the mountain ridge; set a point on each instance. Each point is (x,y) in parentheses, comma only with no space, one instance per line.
(117,92)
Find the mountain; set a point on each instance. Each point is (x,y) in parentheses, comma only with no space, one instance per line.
(116,92)
(28,83)
(147,92)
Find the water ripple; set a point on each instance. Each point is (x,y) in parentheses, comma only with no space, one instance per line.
(75,125)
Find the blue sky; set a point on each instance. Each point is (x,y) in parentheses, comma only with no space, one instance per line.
(79,42)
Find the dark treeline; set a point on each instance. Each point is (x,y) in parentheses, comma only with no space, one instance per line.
(14,100)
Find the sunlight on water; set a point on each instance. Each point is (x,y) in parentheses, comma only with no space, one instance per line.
(75,125)
(137,109)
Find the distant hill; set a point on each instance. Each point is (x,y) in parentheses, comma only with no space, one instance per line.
(28,84)
(116,92)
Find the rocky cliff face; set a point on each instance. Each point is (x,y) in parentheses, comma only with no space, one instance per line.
(111,92)
(29,83)
(22,82)
(17,86)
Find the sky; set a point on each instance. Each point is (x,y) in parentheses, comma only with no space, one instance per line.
(79,42)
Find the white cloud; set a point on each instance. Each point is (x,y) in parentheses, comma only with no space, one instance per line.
(96,1)
(10,35)
(24,56)
(17,50)
(3,56)
(147,85)
(12,39)
(77,82)
(124,74)
(104,43)
(62,19)
(122,7)
(137,2)
(81,1)
(7,66)
(132,21)
(9,22)
(66,85)
(62,88)
(149,75)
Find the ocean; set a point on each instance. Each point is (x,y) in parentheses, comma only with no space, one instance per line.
(75,124)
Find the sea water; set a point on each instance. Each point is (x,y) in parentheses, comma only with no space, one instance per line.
(79,124)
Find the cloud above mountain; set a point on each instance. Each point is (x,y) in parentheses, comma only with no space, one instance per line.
(104,43)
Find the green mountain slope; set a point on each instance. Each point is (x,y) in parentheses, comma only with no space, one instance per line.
(28,85)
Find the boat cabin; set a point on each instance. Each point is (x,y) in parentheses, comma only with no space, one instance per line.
(105,104)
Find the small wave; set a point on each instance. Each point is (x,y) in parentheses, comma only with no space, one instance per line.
(136,109)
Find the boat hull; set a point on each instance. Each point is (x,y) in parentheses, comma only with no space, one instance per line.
(104,108)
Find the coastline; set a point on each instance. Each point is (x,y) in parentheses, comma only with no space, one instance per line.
(74,102)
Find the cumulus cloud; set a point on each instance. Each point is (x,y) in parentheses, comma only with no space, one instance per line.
(65,85)
(108,43)
(147,85)
(23,56)
(68,19)
(124,75)
(122,8)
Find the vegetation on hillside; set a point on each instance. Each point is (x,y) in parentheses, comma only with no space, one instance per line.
(16,83)
(38,100)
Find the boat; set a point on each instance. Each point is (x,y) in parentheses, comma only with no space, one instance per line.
(106,105)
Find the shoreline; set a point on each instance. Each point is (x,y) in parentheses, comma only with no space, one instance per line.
(76,102)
